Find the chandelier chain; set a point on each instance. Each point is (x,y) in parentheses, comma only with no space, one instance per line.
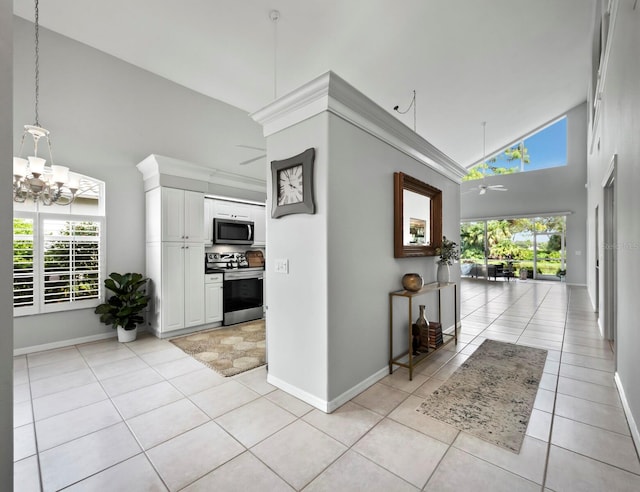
(37,54)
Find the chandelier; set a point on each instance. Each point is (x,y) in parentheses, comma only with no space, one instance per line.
(32,179)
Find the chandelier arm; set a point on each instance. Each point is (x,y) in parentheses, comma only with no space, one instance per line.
(22,143)
(50,153)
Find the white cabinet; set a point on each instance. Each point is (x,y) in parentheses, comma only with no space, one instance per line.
(182,216)
(208,220)
(224,209)
(213,297)
(175,259)
(258,216)
(181,293)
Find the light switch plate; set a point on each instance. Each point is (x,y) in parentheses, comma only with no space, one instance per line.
(282,266)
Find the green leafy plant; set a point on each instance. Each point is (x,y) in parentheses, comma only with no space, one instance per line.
(128,299)
(448,252)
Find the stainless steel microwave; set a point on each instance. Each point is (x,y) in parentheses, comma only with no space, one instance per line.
(228,231)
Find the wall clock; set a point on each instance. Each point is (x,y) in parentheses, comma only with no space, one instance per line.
(292,185)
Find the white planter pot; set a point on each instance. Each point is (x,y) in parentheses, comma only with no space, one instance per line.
(443,275)
(125,336)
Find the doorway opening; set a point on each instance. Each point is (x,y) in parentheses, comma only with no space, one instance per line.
(609,290)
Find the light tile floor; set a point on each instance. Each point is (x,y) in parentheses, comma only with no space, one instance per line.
(144,416)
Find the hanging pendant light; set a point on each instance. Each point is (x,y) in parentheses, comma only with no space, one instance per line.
(32,179)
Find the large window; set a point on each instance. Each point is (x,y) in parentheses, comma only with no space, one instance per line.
(58,254)
(544,149)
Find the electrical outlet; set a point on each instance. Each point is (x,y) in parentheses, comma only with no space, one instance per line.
(282,266)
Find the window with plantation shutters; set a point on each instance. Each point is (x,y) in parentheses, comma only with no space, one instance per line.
(59,252)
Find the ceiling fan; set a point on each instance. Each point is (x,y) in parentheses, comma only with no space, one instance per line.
(483,188)
(249,161)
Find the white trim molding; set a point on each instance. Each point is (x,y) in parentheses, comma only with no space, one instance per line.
(633,426)
(154,167)
(357,389)
(332,405)
(63,343)
(612,12)
(306,397)
(329,92)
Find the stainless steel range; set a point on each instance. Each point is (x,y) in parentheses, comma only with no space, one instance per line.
(242,291)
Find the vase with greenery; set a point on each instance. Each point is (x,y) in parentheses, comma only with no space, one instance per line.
(122,309)
(449,253)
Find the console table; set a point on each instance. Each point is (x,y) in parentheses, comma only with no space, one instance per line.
(407,359)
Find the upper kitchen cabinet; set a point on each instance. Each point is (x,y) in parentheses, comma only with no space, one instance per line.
(223,209)
(259,218)
(175,215)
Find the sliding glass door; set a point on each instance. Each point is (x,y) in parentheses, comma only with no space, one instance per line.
(519,247)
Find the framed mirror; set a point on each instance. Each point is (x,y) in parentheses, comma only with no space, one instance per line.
(417,217)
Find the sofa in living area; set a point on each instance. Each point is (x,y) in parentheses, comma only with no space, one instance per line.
(494,271)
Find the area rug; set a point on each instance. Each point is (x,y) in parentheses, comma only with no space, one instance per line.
(491,394)
(228,351)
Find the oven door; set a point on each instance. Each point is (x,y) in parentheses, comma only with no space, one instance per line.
(242,297)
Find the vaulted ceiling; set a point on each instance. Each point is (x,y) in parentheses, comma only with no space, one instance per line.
(515,64)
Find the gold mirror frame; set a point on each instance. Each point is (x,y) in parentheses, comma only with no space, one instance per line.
(403,182)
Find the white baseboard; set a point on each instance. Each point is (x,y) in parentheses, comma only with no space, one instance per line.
(357,389)
(575,285)
(324,405)
(306,397)
(63,343)
(633,426)
(600,327)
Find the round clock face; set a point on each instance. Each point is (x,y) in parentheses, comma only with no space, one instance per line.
(290,185)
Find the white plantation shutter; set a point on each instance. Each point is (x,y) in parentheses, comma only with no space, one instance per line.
(71,254)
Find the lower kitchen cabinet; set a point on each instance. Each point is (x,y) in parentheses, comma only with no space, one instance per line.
(177,276)
(213,297)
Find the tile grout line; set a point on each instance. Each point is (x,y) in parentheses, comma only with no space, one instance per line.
(555,395)
(33,418)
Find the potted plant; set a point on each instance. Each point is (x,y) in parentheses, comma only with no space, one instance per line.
(122,309)
(449,253)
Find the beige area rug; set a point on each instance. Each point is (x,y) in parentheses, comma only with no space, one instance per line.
(491,394)
(229,351)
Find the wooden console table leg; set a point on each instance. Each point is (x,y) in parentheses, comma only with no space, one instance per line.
(410,344)
(390,334)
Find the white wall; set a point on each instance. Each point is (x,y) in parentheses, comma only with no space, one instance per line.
(619,133)
(6,261)
(105,116)
(543,192)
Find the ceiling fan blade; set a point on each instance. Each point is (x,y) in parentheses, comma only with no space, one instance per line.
(497,188)
(250,147)
(483,191)
(252,160)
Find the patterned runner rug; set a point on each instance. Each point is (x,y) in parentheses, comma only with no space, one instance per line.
(228,351)
(491,394)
